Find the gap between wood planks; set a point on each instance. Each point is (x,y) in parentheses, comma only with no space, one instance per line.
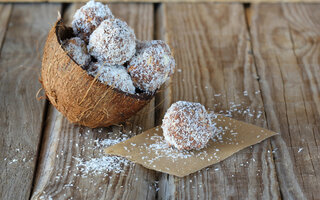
(43,126)
(198,49)
(21,113)
(284,38)
(5,14)
(44,122)
(248,13)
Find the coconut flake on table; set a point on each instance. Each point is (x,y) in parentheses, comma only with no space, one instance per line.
(239,109)
(113,42)
(77,50)
(152,65)
(115,76)
(103,163)
(88,18)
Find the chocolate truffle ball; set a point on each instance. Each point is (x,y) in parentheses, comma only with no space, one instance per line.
(88,18)
(152,65)
(77,50)
(113,42)
(187,126)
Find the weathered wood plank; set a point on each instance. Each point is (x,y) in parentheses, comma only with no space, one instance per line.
(5,11)
(287,47)
(215,67)
(21,114)
(59,177)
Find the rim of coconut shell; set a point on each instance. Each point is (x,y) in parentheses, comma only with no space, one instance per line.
(64,32)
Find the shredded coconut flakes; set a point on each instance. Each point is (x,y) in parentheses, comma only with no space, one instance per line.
(115,76)
(104,163)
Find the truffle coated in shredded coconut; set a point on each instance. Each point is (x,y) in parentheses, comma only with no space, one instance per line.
(88,18)
(187,125)
(113,42)
(115,76)
(152,65)
(77,50)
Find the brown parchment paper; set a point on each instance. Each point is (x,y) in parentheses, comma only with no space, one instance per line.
(150,150)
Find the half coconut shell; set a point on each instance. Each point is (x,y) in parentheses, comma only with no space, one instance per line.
(77,95)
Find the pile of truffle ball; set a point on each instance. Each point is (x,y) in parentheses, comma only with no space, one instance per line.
(187,126)
(107,48)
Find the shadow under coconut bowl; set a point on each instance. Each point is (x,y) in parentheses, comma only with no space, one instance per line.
(76,94)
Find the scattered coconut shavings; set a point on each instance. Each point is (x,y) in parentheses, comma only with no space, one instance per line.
(77,50)
(115,76)
(113,42)
(221,131)
(102,164)
(88,18)
(46,197)
(152,65)
(162,149)
(109,142)
(19,157)
(240,109)
(12,161)
(187,125)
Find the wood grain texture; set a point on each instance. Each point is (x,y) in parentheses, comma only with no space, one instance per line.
(214,66)
(286,46)
(5,12)
(21,114)
(59,177)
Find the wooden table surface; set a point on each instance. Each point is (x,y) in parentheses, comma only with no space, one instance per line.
(262,58)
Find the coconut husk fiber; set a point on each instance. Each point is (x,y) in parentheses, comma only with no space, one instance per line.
(78,96)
